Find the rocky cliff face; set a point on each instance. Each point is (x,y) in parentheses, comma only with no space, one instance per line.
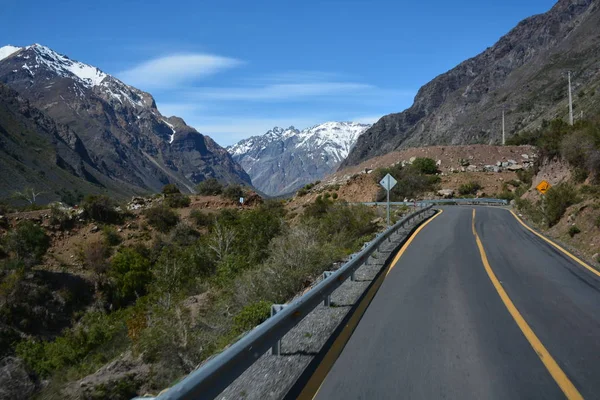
(283,160)
(125,135)
(525,72)
(38,153)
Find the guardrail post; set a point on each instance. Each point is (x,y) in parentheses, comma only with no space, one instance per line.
(275,308)
(327,301)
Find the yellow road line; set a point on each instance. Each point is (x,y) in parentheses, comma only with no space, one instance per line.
(312,387)
(409,241)
(574,258)
(557,373)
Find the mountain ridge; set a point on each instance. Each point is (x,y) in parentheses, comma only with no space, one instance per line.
(128,139)
(525,71)
(283,160)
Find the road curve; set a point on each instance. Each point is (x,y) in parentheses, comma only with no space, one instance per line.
(439,329)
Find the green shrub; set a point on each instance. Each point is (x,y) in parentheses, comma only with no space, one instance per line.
(302,192)
(425,166)
(70,197)
(334,196)
(177,200)
(573,230)
(130,272)
(202,219)
(184,235)
(162,218)
(74,346)
(170,189)
(210,187)
(251,316)
(60,218)
(102,209)
(471,187)
(28,242)
(233,192)
(558,199)
(111,236)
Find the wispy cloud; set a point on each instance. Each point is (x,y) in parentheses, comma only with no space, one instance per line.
(173,70)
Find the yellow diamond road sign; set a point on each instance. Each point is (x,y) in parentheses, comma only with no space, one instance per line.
(543,187)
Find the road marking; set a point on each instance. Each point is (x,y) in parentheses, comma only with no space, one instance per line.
(557,373)
(574,258)
(409,241)
(312,387)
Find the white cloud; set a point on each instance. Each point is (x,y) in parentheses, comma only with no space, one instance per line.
(174,70)
(285,91)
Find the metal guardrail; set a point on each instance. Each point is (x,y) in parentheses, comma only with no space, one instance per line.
(439,201)
(208,381)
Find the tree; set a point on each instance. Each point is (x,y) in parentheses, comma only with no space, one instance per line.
(29,194)
(170,189)
(210,187)
(221,241)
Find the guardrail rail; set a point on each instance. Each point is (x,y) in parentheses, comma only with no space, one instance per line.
(210,379)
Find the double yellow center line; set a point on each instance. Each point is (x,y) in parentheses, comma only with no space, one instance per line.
(557,373)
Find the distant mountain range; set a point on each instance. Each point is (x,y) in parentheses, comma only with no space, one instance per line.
(525,72)
(117,139)
(283,160)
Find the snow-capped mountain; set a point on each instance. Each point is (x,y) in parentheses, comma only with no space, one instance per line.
(283,160)
(123,131)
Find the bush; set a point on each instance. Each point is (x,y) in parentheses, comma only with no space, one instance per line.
(558,199)
(210,187)
(130,272)
(251,316)
(60,218)
(102,209)
(177,200)
(95,257)
(184,235)
(469,188)
(162,218)
(111,236)
(425,166)
(233,192)
(170,189)
(28,242)
(74,346)
(574,231)
(202,219)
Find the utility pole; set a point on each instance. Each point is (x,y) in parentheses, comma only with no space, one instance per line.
(570,102)
(503,137)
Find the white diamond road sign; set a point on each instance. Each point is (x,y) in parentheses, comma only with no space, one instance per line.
(388,182)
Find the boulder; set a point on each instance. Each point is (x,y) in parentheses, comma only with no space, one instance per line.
(525,156)
(446,193)
(15,382)
(438,163)
(472,168)
(515,167)
(511,162)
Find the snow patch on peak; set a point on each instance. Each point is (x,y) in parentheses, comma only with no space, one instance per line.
(88,75)
(7,51)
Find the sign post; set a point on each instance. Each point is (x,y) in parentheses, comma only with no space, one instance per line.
(388,182)
(543,187)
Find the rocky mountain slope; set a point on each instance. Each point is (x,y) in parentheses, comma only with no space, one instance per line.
(525,72)
(38,153)
(283,160)
(125,136)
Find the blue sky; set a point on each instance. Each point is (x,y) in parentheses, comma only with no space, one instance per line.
(233,69)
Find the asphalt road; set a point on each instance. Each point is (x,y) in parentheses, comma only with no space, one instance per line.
(439,329)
